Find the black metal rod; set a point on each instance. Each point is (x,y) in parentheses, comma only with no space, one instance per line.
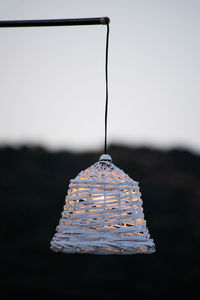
(55,22)
(69,22)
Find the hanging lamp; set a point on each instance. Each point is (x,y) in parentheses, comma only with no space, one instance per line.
(103,211)
(103,214)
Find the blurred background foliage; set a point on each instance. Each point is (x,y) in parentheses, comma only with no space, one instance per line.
(33,185)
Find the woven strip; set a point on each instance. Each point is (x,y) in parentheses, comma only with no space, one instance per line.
(103,214)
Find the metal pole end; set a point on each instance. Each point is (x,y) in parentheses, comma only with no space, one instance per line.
(104,20)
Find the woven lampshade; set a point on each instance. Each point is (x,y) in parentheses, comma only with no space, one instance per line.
(103,214)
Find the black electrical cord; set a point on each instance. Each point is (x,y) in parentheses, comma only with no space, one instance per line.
(70,22)
(106,73)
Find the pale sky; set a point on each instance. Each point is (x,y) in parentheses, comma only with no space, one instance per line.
(52,81)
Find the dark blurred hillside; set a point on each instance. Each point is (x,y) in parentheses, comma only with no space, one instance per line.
(33,184)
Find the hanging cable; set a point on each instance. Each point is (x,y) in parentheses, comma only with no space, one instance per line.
(106,75)
(70,22)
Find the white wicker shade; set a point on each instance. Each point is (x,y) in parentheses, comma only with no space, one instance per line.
(103,214)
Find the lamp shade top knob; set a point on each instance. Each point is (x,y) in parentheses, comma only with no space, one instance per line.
(105,157)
